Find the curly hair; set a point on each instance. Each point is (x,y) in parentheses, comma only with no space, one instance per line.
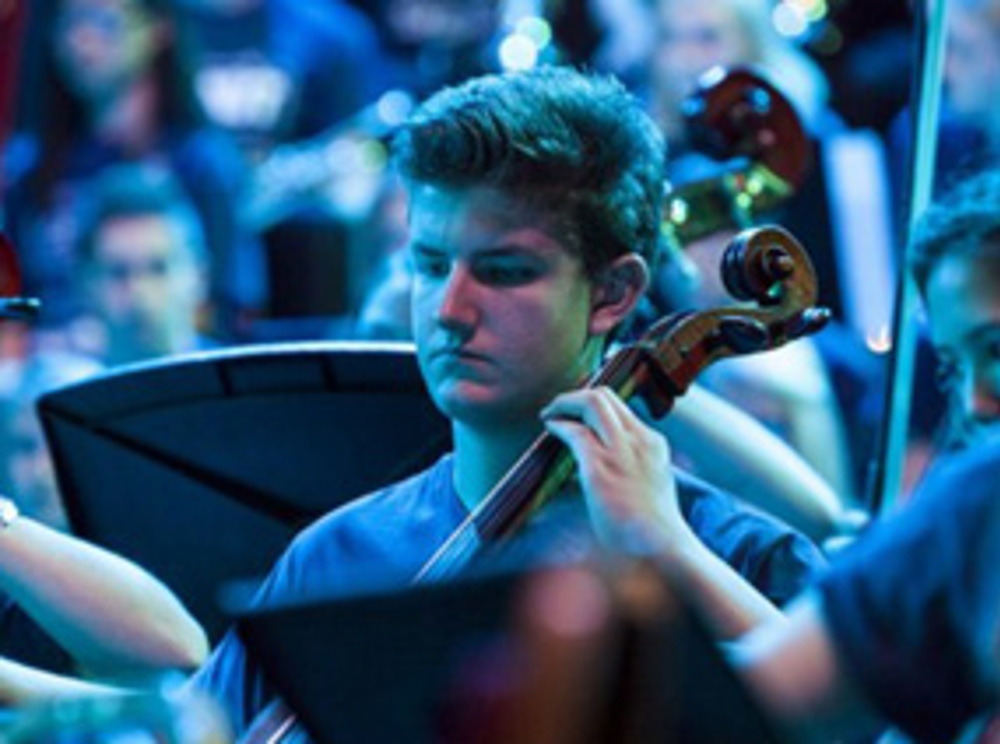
(574,144)
(966,222)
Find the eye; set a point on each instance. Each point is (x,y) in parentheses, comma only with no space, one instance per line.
(115,272)
(947,374)
(158,267)
(431,265)
(507,272)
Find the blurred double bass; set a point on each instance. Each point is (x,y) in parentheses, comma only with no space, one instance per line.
(739,119)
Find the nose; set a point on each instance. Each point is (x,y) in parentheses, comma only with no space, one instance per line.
(457,311)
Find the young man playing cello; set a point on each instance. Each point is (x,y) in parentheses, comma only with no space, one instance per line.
(534,214)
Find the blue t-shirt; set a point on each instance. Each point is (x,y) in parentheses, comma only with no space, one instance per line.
(386,537)
(915,609)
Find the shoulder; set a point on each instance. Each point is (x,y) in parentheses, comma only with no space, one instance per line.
(379,538)
(915,599)
(777,559)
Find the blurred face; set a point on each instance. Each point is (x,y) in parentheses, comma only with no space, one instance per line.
(104,45)
(451,22)
(501,308)
(30,468)
(145,286)
(963,303)
(972,65)
(692,38)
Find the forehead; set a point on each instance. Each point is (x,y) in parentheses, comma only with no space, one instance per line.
(77,9)
(135,235)
(479,218)
(961,297)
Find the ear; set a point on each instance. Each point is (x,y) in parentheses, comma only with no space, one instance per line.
(616,291)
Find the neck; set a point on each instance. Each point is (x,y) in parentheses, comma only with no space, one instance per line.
(482,457)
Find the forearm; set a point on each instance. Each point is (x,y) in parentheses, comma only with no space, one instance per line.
(110,615)
(794,670)
(21,684)
(758,464)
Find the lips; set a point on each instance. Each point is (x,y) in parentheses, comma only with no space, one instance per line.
(460,363)
(458,354)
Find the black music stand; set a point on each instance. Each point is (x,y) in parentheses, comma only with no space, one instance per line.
(202,467)
(390,666)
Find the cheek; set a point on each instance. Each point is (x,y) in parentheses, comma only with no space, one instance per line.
(422,308)
(112,297)
(548,332)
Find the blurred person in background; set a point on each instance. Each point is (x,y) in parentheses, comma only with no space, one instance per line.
(969,125)
(284,80)
(972,80)
(907,624)
(956,262)
(276,71)
(27,469)
(109,86)
(904,628)
(819,395)
(143,266)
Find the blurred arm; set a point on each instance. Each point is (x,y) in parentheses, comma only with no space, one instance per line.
(737,453)
(794,670)
(110,615)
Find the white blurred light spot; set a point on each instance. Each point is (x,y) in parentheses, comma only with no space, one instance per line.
(880,342)
(813,10)
(679,211)
(537,29)
(789,20)
(518,52)
(394,106)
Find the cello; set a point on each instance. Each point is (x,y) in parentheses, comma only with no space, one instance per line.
(766,267)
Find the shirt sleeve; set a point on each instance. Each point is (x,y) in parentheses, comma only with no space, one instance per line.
(914,606)
(777,560)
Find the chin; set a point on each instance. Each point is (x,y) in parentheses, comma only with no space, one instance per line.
(478,410)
